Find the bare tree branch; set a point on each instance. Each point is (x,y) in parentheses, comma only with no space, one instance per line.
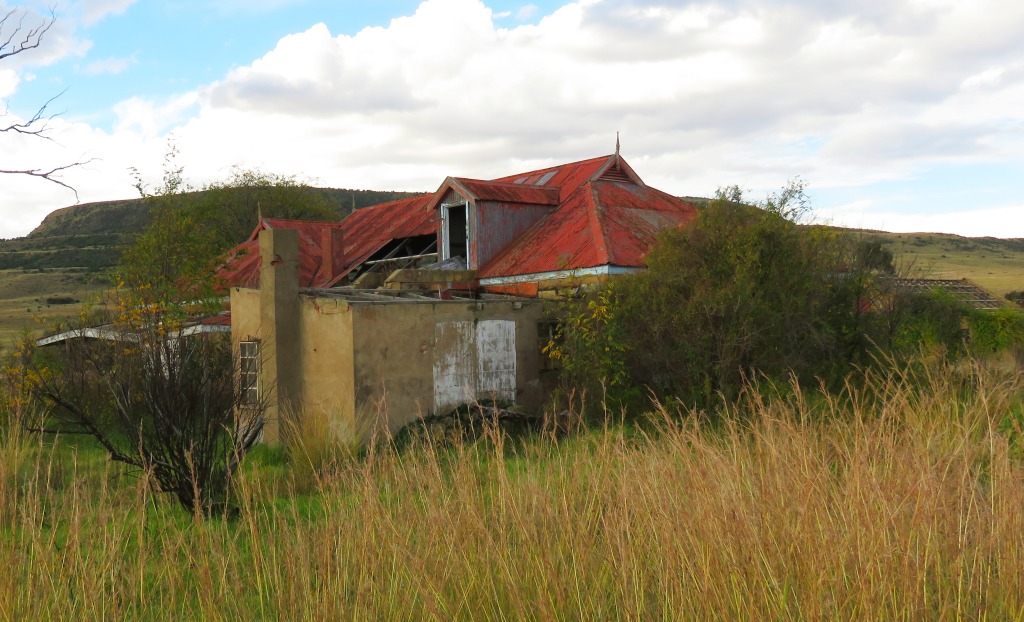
(21,38)
(51,175)
(172,407)
(30,37)
(38,124)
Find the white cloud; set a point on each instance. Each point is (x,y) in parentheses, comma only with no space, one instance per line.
(990,221)
(110,65)
(150,119)
(526,12)
(8,82)
(95,10)
(845,94)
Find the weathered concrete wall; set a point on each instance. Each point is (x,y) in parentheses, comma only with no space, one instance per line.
(352,368)
(327,397)
(324,395)
(279,326)
(405,353)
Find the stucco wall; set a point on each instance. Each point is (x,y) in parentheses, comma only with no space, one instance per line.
(245,314)
(367,367)
(398,348)
(327,393)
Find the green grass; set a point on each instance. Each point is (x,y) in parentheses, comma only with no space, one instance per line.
(23,299)
(993,263)
(898,500)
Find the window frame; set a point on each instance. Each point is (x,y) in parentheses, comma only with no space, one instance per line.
(446,223)
(249,383)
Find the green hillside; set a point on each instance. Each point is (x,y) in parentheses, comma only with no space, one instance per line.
(996,264)
(45,275)
(90,236)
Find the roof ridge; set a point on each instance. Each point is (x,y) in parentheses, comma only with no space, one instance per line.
(595,222)
(554,167)
(504,183)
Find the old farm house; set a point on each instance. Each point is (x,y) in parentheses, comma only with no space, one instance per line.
(416,306)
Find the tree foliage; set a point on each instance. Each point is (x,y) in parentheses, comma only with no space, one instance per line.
(155,396)
(590,346)
(744,291)
(230,207)
(176,257)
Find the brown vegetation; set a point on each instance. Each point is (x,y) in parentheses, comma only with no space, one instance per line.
(896,500)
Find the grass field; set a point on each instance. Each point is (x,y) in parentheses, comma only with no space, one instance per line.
(896,501)
(24,294)
(995,264)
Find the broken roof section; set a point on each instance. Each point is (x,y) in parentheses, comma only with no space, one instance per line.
(320,247)
(328,251)
(370,230)
(594,215)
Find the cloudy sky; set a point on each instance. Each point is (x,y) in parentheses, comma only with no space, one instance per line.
(905,115)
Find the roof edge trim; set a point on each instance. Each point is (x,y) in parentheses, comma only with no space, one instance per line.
(606,269)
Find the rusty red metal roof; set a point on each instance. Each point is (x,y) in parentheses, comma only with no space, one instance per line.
(600,214)
(242,265)
(569,177)
(505,192)
(369,229)
(363,233)
(602,223)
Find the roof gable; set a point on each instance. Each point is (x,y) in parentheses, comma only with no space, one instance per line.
(602,223)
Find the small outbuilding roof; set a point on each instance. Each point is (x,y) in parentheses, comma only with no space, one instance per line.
(962,289)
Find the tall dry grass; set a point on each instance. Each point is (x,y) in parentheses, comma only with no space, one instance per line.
(898,499)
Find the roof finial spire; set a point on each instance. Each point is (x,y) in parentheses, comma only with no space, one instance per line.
(616,143)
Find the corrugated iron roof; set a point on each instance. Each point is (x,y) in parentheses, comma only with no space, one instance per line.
(603,223)
(602,214)
(481,190)
(369,229)
(364,232)
(566,177)
(242,266)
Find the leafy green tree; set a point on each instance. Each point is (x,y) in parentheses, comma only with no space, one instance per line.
(175,258)
(743,291)
(231,207)
(997,330)
(590,346)
(171,265)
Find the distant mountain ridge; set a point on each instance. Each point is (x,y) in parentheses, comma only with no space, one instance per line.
(132,215)
(92,235)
